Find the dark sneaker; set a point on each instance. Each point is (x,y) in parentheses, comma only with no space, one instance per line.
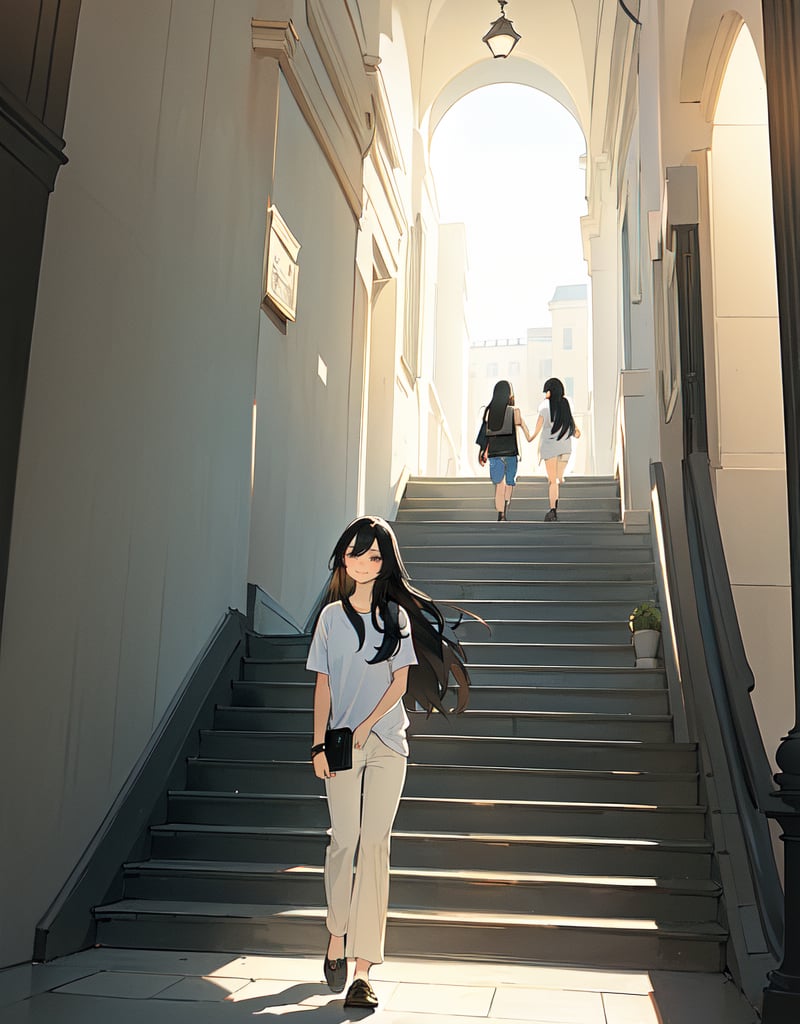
(552,516)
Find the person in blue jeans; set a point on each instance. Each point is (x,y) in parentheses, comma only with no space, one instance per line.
(500,422)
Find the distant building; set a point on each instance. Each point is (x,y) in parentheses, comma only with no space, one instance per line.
(561,350)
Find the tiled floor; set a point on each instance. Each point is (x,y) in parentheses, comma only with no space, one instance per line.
(117,986)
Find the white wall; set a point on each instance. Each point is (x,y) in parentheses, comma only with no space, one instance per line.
(301,501)
(749,450)
(452,337)
(132,504)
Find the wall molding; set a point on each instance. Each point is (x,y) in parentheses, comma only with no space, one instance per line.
(724,40)
(353,92)
(331,127)
(32,143)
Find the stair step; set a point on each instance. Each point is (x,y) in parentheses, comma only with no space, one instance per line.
(543,817)
(297,884)
(255,702)
(576,555)
(453,513)
(263,672)
(619,655)
(417,485)
(630,591)
(431,534)
(607,942)
(653,858)
(439,570)
(568,611)
(257,743)
(616,755)
(477,783)
(481,502)
(516,630)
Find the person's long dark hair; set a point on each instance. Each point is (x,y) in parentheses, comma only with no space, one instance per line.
(502,397)
(560,411)
(439,654)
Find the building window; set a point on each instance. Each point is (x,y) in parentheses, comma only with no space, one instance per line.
(569,387)
(491,369)
(513,368)
(545,368)
(567,337)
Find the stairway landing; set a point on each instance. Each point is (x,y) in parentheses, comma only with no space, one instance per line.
(130,986)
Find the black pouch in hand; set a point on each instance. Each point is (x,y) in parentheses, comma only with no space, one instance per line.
(339,749)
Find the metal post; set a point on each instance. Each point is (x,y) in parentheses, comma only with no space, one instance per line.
(782,58)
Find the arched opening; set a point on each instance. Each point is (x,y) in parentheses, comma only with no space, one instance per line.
(507,164)
(746,408)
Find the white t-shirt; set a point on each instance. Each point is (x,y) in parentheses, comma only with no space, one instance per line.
(356,687)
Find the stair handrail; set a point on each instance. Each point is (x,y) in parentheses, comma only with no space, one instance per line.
(731,681)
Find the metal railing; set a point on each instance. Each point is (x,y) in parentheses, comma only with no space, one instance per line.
(731,681)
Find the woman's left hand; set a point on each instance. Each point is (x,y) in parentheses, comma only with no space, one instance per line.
(360,735)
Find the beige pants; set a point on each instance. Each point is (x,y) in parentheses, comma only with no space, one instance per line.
(362,803)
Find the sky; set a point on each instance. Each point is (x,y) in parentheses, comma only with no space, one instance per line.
(505,162)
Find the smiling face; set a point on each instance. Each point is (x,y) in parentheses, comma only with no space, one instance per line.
(363,568)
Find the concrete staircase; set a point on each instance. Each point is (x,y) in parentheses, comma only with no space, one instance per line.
(556,820)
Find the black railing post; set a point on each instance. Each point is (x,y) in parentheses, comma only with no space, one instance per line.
(782,58)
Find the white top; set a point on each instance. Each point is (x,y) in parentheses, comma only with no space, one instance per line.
(356,687)
(549,446)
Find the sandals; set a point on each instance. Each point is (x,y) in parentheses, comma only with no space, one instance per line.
(361,994)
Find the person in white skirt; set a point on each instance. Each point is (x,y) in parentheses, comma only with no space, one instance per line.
(557,428)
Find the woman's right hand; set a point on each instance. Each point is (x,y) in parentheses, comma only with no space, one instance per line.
(321,769)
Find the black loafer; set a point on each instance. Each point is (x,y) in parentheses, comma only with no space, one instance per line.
(335,974)
(361,994)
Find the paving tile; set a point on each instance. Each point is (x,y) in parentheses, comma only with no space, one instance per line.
(383,990)
(625,1009)
(204,990)
(52,1008)
(281,968)
(120,985)
(271,992)
(461,1000)
(159,961)
(552,1005)
(388,1017)
(26,980)
(528,975)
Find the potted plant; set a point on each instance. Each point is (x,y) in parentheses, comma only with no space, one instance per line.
(645,624)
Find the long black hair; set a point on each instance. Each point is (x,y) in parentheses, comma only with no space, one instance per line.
(502,397)
(439,654)
(560,411)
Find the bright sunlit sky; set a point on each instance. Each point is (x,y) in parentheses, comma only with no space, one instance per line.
(505,161)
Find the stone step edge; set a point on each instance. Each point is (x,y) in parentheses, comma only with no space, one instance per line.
(128,909)
(583,744)
(259,870)
(583,774)
(499,667)
(566,806)
(663,845)
(482,688)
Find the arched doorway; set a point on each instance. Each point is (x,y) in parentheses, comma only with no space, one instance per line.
(508,163)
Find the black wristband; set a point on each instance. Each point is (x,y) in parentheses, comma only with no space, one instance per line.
(317,749)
